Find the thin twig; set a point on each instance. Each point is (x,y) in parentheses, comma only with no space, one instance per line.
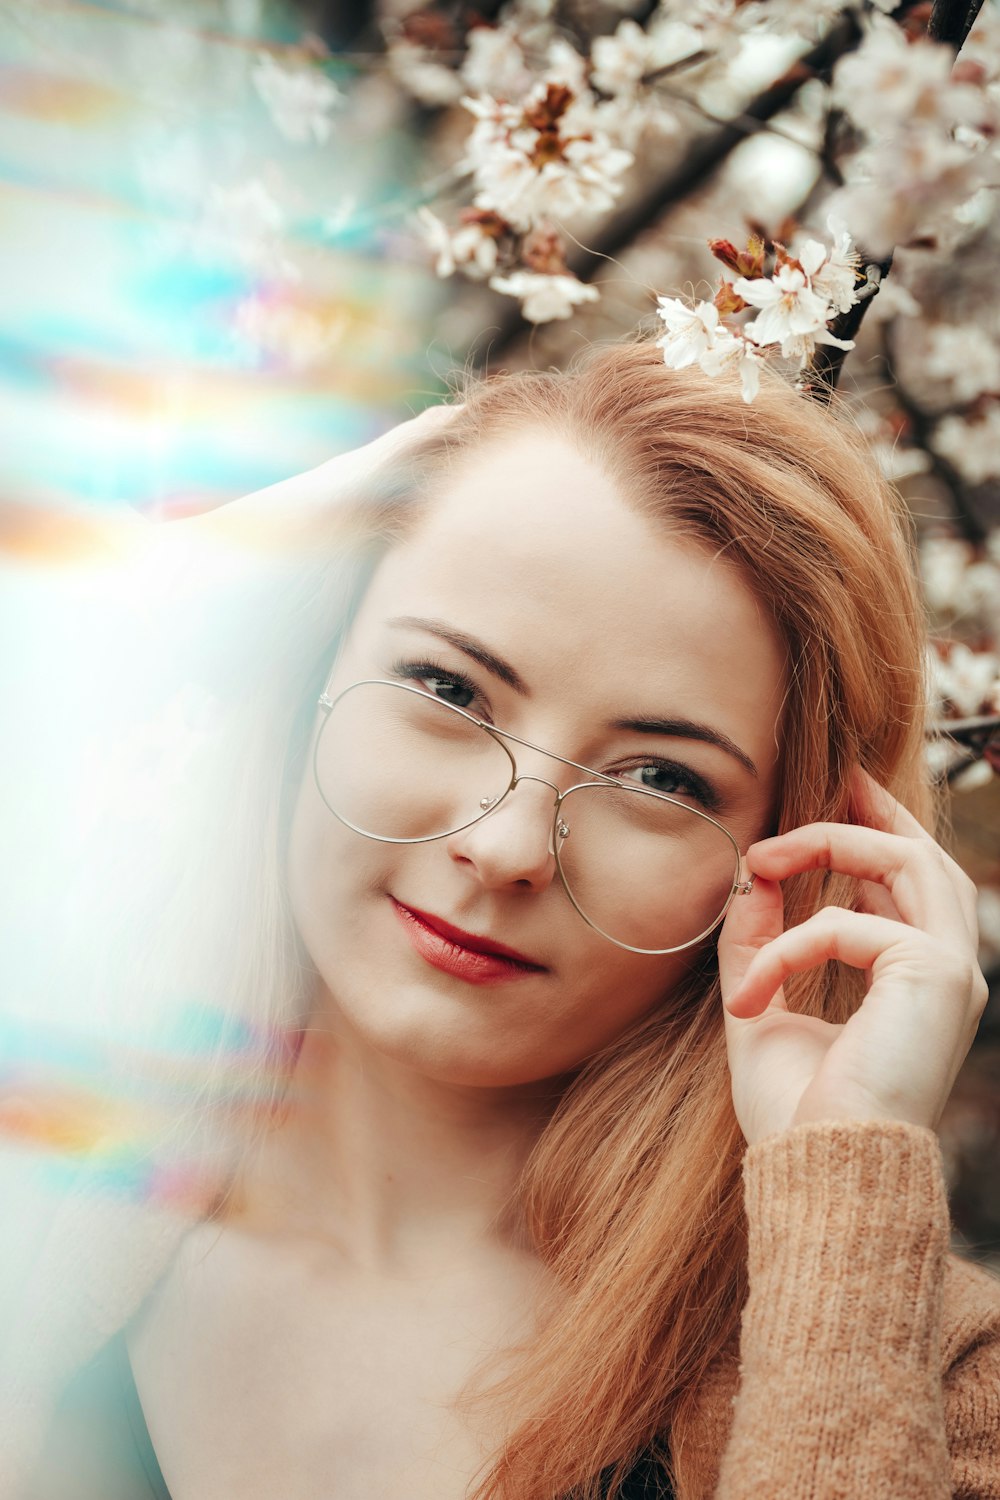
(701,159)
(744,122)
(679,65)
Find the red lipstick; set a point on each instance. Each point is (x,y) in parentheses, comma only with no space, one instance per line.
(477,960)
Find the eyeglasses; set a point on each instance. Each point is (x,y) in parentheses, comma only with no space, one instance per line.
(649,872)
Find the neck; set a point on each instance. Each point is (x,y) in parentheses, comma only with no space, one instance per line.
(395,1170)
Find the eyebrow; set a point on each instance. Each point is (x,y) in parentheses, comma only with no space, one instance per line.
(673,728)
(688,729)
(470,646)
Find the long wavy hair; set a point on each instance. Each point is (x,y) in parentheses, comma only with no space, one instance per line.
(632,1195)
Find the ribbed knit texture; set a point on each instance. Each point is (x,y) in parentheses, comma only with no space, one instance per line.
(869,1359)
(869,1362)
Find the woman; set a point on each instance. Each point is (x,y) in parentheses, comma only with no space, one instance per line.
(617,992)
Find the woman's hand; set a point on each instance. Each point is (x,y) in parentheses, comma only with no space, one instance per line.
(915,938)
(296,513)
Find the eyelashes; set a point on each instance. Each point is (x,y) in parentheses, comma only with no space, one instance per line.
(458,689)
(456,683)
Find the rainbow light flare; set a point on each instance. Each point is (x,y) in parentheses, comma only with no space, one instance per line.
(193,307)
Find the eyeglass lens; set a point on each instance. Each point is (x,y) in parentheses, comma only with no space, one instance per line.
(397,764)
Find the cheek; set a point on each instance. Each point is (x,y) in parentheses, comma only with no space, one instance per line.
(609,990)
(329,869)
(336,886)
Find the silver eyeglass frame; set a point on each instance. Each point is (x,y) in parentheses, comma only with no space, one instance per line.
(742,883)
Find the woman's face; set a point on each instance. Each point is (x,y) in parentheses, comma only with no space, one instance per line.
(576,615)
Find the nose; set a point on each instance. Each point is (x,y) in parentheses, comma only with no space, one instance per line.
(512,846)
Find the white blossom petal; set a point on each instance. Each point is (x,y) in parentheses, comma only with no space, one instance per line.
(544,297)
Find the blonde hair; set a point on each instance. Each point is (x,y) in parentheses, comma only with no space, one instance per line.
(632,1196)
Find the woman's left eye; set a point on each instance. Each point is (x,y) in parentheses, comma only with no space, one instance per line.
(673,781)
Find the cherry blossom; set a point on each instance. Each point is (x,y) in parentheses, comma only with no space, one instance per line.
(966,681)
(930,127)
(791,314)
(801,347)
(957,583)
(543,159)
(691,331)
(982,46)
(960,585)
(243,224)
(809,19)
(722,25)
(832,273)
(421,74)
(896,459)
(893,191)
(567,66)
(972,445)
(888,81)
(696,335)
(495,63)
(894,300)
(966,356)
(544,297)
(734,352)
(621,61)
(473,246)
(299,100)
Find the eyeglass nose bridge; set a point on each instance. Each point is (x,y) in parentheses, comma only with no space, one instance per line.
(559,827)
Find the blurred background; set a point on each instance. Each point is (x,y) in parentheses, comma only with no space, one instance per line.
(241,236)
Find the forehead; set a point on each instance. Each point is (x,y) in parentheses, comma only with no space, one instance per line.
(531,546)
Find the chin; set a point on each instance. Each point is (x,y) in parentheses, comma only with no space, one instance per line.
(429,1035)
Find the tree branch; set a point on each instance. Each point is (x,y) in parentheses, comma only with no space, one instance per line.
(952,20)
(963,498)
(828,360)
(702,158)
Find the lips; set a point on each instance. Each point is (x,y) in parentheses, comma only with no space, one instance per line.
(469,941)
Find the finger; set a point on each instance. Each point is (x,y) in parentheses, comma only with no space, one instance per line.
(875,806)
(855,938)
(753,921)
(923,882)
(876,900)
(397,439)
(304,510)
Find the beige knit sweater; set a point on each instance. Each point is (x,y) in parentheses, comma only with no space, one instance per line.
(869,1358)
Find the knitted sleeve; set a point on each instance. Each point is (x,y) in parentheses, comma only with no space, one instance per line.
(869,1360)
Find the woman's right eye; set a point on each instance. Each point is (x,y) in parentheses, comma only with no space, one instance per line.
(450,687)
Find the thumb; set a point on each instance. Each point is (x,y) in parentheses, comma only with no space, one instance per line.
(751,923)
